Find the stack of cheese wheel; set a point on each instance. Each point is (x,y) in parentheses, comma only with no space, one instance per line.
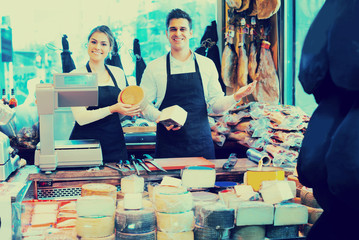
(96,211)
(135,216)
(213,221)
(175,217)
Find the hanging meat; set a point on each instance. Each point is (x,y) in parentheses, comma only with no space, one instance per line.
(229,60)
(245,5)
(267,8)
(242,67)
(267,88)
(253,8)
(252,59)
(234,3)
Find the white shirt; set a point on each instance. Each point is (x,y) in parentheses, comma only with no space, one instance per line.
(154,83)
(84,116)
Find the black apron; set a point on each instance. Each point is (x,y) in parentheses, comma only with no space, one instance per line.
(194,138)
(107,130)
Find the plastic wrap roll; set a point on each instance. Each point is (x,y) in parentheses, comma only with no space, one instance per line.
(249,233)
(282,232)
(95,227)
(175,222)
(143,236)
(216,216)
(132,184)
(170,199)
(175,236)
(99,189)
(135,221)
(201,233)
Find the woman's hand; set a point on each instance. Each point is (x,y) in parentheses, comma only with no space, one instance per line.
(126,109)
(244,91)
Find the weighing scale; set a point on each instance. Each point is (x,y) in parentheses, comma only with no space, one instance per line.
(68,90)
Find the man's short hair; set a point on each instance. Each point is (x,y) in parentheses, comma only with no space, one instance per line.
(178,13)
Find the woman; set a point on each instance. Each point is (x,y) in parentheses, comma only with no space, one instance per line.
(103,122)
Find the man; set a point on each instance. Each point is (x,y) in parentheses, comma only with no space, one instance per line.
(189,80)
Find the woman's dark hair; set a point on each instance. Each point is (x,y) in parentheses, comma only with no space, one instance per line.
(178,13)
(106,30)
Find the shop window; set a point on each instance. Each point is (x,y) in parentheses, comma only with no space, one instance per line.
(38,27)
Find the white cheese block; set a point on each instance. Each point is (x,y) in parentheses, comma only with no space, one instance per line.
(132,201)
(143,236)
(93,206)
(173,115)
(196,177)
(249,232)
(226,195)
(170,199)
(175,236)
(95,227)
(132,184)
(45,207)
(244,192)
(175,222)
(99,189)
(276,191)
(171,181)
(254,213)
(289,213)
(135,221)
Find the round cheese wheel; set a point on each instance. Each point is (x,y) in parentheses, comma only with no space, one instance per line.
(112,237)
(95,227)
(171,236)
(253,232)
(171,199)
(135,221)
(175,222)
(99,189)
(131,95)
(201,233)
(216,216)
(143,236)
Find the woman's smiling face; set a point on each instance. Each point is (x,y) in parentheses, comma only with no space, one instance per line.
(98,46)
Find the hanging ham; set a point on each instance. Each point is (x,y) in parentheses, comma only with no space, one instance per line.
(234,3)
(229,65)
(267,8)
(267,88)
(242,67)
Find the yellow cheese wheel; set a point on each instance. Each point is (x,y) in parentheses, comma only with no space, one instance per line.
(171,199)
(99,189)
(172,236)
(95,227)
(175,222)
(131,95)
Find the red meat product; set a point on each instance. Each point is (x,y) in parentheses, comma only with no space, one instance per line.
(229,65)
(267,8)
(252,61)
(267,88)
(242,67)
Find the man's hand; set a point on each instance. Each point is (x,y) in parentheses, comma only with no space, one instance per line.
(244,91)
(169,127)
